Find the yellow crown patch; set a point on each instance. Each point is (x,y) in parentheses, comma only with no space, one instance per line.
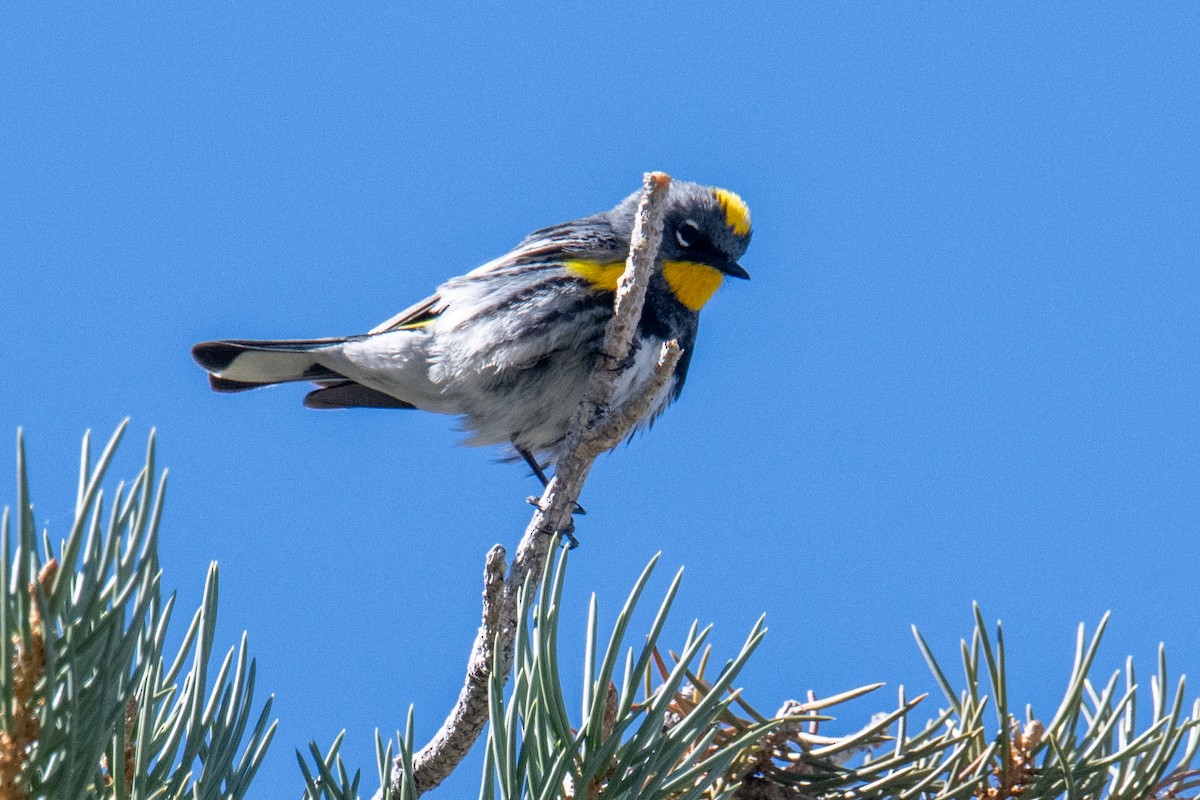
(737,213)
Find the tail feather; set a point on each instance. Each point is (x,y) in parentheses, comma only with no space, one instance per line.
(225,385)
(237,365)
(349,394)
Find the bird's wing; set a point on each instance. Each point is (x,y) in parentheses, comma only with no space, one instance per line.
(587,238)
(412,317)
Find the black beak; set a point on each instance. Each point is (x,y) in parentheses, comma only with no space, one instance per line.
(734,270)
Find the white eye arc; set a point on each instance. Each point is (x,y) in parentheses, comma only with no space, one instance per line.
(689,239)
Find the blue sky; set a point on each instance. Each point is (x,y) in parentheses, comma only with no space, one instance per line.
(965,368)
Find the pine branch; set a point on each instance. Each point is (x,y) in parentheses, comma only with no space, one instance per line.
(90,706)
(594,429)
(694,737)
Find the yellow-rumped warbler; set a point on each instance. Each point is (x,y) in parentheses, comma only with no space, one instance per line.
(509,346)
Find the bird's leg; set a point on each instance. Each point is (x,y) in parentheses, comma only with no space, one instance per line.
(540,474)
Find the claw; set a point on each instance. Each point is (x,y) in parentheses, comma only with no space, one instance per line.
(568,533)
(536,502)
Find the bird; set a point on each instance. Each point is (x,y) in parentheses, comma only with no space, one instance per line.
(508,347)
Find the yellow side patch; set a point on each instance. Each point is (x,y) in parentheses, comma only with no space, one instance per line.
(692,283)
(600,274)
(737,213)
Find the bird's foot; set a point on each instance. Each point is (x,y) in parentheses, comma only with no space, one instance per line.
(536,502)
(568,533)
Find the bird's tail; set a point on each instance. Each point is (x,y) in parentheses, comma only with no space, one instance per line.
(236,365)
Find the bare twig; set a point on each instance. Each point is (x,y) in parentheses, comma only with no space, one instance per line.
(614,428)
(595,428)
(453,740)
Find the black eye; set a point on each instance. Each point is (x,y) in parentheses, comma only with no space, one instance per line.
(687,234)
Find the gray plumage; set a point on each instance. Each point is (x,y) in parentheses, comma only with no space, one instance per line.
(508,346)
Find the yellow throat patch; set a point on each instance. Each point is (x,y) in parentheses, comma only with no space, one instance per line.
(692,283)
(737,213)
